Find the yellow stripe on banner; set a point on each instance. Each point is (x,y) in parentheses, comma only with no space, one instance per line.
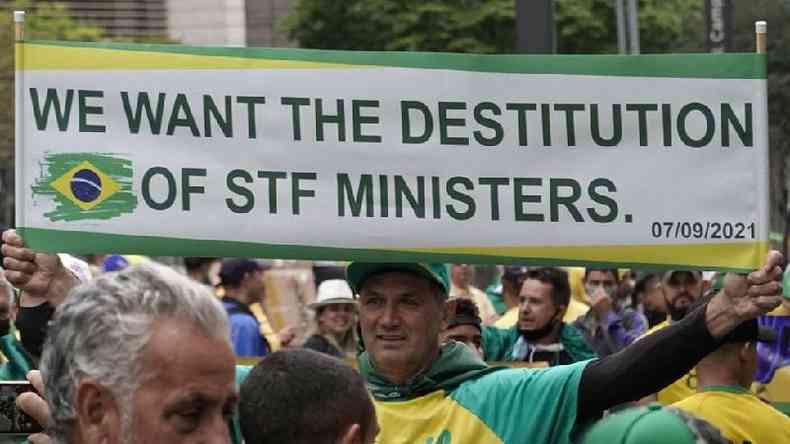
(44,57)
(740,255)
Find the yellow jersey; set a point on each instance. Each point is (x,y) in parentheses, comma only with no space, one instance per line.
(681,389)
(740,416)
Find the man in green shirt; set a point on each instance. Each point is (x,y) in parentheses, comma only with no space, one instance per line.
(429,393)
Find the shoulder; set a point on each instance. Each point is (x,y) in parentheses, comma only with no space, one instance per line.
(316,342)
(243,320)
(508,380)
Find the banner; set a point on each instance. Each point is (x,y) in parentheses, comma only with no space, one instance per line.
(658,160)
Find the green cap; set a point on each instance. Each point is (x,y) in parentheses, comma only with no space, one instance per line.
(786,284)
(358,272)
(653,424)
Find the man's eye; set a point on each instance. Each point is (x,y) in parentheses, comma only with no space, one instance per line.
(188,421)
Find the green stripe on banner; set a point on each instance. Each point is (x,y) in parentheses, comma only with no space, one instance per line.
(713,66)
(59,241)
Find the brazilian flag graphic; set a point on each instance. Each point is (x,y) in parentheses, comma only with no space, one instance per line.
(86,186)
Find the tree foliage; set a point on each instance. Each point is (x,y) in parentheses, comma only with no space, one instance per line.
(483,26)
(44,21)
(582,27)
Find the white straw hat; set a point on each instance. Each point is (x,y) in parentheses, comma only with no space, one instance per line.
(333,291)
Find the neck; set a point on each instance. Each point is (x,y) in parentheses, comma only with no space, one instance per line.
(237,294)
(401,375)
(551,338)
(718,374)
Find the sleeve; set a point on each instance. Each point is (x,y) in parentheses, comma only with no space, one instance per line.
(633,325)
(645,366)
(19,361)
(535,403)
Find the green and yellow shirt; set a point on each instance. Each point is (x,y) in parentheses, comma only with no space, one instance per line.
(460,400)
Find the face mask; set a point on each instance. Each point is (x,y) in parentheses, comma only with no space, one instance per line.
(32,324)
(534,335)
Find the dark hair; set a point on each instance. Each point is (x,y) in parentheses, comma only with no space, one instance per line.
(557,278)
(613,272)
(466,313)
(299,396)
(194,263)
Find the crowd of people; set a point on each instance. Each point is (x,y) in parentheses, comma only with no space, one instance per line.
(125,350)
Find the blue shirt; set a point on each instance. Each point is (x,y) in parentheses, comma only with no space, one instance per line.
(245,332)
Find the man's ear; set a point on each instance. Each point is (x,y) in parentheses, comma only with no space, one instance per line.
(449,311)
(352,435)
(98,415)
(745,352)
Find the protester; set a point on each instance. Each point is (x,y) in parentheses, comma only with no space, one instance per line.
(461,277)
(453,396)
(653,425)
(142,355)
(242,280)
(511,280)
(680,290)
(723,397)
(464,326)
(335,320)
(402,309)
(772,381)
(648,296)
(609,325)
(33,311)
(574,310)
(540,335)
(303,397)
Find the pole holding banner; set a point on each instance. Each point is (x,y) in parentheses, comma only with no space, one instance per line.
(19,24)
(19,27)
(761,32)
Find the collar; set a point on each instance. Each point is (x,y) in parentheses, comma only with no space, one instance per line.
(737,389)
(455,364)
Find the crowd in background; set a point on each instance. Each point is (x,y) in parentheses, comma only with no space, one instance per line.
(513,315)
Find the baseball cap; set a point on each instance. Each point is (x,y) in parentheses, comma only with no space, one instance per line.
(358,272)
(653,424)
(233,270)
(696,273)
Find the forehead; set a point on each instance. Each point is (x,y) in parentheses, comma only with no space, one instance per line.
(180,358)
(683,277)
(396,282)
(536,288)
(600,275)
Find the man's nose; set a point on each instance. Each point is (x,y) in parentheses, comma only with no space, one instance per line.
(390,316)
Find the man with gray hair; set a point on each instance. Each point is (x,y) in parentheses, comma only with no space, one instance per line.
(139,356)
